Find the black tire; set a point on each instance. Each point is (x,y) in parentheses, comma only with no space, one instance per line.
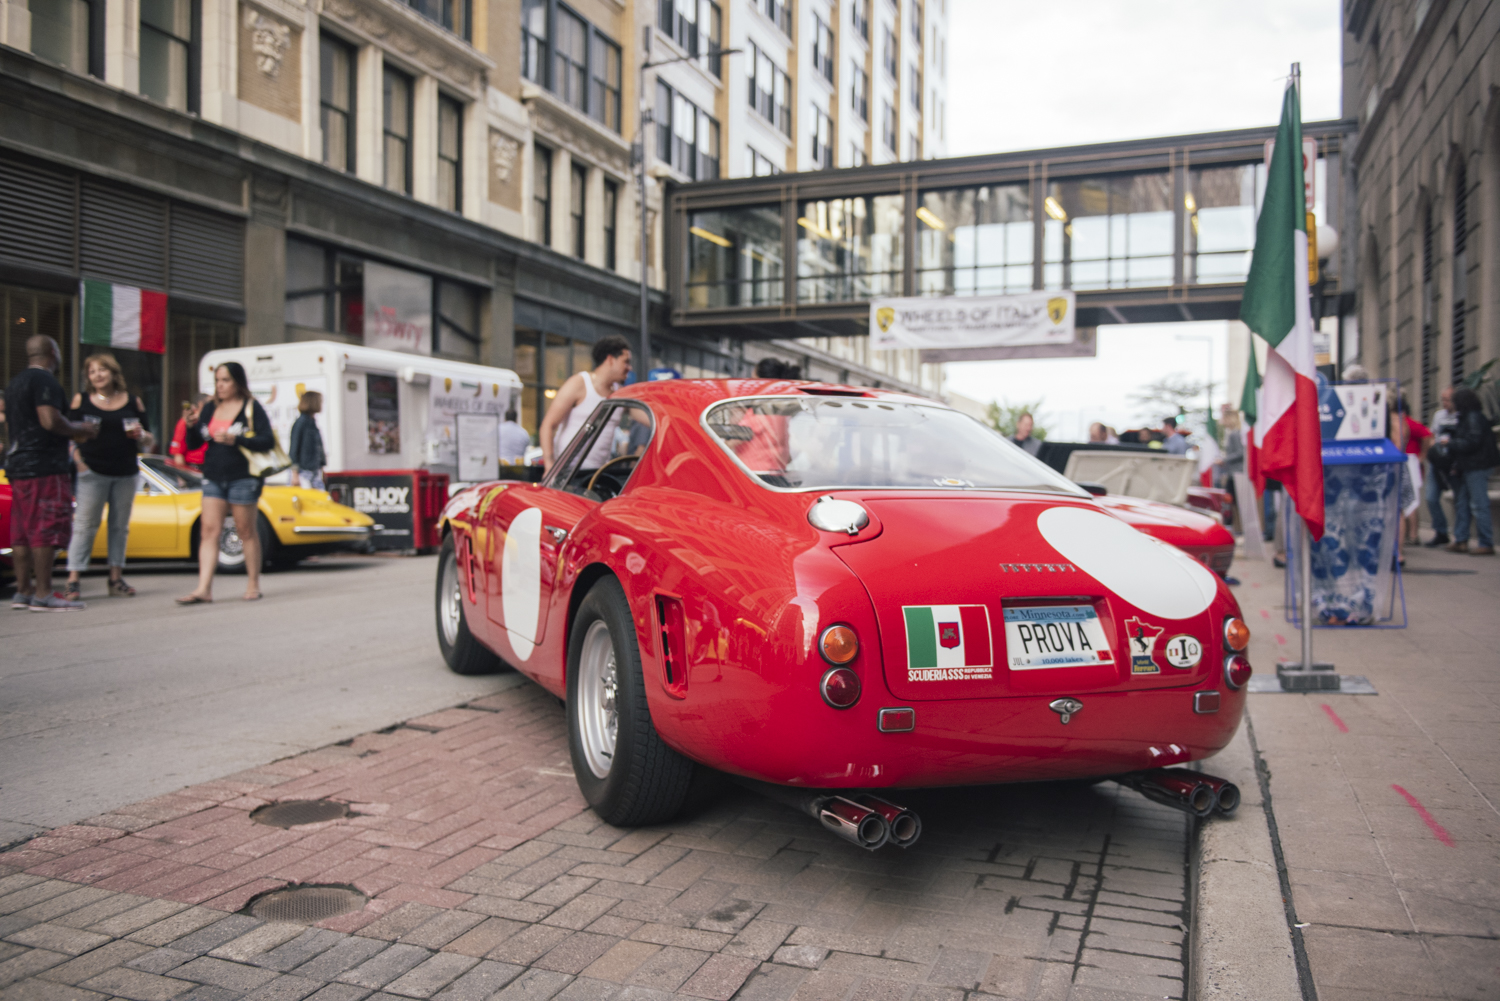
(643,781)
(232,552)
(461,651)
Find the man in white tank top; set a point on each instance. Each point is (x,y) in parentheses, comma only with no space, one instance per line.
(578,397)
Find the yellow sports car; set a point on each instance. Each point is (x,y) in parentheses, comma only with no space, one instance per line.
(294,522)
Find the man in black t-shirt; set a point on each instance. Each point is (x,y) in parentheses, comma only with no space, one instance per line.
(37,466)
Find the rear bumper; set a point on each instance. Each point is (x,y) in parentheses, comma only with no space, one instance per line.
(968,742)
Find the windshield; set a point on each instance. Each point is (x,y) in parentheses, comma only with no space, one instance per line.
(183,480)
(807,442)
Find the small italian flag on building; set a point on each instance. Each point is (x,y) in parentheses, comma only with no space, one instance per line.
(948,643)
(123,316)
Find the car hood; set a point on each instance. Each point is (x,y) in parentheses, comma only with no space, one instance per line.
(970,558)
(1183,528)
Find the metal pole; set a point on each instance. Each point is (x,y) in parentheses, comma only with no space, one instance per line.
(644,365)
(1304,587)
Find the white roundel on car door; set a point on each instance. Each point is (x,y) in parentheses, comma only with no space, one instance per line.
(521,580)
(1151,575)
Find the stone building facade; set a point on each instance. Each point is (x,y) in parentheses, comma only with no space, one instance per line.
(1422,77)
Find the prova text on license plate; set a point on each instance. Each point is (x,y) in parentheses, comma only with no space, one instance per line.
(1044,636)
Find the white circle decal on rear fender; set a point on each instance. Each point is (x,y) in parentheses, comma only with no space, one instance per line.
(521,580)
(1156,578)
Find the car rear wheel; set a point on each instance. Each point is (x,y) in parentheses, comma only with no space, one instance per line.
(624,769)
(463,653)
(232,547)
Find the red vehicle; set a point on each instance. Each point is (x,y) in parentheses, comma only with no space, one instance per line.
(837,591)
(1201,536)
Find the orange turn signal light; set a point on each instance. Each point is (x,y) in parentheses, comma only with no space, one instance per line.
(839,645)
(1236,634)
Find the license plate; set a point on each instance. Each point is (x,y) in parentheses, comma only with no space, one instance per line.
(1046,636)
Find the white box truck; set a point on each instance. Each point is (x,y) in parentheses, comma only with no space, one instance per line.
(381,409)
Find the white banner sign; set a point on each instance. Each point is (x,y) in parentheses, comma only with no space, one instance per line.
(1001,321)
(450,397)
(398,309)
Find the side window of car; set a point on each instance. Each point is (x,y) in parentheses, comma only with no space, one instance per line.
(598,462)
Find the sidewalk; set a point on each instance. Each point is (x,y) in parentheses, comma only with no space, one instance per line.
(1388,806)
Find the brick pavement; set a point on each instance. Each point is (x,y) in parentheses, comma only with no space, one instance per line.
(487,877)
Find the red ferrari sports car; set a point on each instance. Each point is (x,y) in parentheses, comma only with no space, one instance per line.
(833,590)
(1201,536)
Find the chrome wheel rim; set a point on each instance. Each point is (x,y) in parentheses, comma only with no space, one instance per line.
(449,598)
(231,546)
(597,709)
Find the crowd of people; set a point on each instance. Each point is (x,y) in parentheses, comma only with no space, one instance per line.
(68,462)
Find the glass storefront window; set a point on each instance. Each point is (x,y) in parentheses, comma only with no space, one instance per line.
(975,241)
(1220,212)
(735,257)
(527,366)
(849,249)
(26,313)
(458,321)
(1109,232)
(188,340)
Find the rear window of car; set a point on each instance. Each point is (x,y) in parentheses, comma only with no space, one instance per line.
(820,443)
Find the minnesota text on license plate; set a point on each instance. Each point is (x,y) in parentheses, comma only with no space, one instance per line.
(1055,636)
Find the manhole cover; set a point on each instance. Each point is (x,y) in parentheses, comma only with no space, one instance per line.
(299,811)
(307,905)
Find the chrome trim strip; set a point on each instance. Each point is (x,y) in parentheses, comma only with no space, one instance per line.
(332,530)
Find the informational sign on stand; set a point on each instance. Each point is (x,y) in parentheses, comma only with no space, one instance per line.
(478,444)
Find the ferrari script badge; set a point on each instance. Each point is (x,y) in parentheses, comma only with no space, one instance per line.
(1057,308)
(1065,708)
(885,316)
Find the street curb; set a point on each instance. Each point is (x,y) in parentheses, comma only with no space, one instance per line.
(1241,945)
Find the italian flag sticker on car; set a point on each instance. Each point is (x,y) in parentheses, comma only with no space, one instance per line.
(948,643)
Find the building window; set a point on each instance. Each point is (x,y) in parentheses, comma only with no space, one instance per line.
(397,130)
(336,101)
(859,91)
(450,153)
(611,221)
(822,54)
(734,257)
(861,15)
(604,70)
(541,196)
(849,249)
(569,59)
(770,90)
(916,23)
(1116,231)
(578,198)
(534,36)
(857,157)
(915,88)
(573,59)
(687,137)
(451,14)
(913,147)
(975,241)
(822,138)
(888,52)
(888,125)
(62,32)
(1459,341)
(757,165)
(779,11)
(696,26)
(169,53)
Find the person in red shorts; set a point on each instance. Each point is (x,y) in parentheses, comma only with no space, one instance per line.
(41,509)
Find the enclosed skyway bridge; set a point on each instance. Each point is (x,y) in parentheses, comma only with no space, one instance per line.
(1145,231)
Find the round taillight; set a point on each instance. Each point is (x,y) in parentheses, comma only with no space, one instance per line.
(1236,634)
(840,688)
(1236,670)
(838,644)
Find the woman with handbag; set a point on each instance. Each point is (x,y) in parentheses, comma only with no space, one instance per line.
(236,429)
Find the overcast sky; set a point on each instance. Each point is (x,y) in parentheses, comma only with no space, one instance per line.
(1034,75)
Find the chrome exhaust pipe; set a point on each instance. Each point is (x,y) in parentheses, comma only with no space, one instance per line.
(906,826)
(862,824)
(856,824)
(1226,793)
(1175,787)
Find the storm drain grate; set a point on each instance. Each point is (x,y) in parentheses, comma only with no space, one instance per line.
(299,811)
(307,905)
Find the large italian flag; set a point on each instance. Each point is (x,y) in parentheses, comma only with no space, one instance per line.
(948,642)
(123,316)
(1285,443)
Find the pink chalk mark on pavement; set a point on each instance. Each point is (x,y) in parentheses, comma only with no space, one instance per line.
(1438,830)
(1265,614)
(1281,639)
(1343,727)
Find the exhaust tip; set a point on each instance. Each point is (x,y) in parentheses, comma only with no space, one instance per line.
(873,831)
(1203,800)
(856,824)
(906,829)
(1228,799)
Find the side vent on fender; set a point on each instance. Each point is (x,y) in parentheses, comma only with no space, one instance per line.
(672,625)
(464,554)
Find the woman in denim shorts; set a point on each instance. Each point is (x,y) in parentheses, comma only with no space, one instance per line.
(232,420)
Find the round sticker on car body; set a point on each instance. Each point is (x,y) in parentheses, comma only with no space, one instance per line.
(1183,651)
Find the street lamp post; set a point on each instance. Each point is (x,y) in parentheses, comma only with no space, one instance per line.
(640,153)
